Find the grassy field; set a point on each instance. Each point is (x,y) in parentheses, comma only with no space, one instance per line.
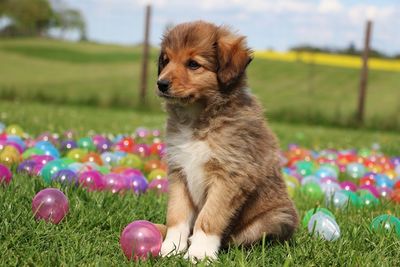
(90,234)
(108,76)
(54,86)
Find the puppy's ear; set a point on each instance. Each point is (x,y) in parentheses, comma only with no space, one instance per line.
(233,57)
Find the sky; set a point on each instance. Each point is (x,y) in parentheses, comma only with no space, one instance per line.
(268,24)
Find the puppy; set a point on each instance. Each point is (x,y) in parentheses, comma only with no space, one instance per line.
(226,185)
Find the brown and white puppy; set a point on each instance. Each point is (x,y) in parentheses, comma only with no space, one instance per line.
(223,161)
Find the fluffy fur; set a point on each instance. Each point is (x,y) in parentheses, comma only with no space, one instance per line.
(223,160)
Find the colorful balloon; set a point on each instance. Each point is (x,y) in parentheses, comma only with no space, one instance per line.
(50,205)
(140,239)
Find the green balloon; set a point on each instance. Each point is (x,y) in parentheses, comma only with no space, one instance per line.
(354,200)
(86,143)
(132,160)
(51,168)
(305,168)
(367,199)
(311,212)
(312,190)
(103,170)
(67,160)
(32,151)
(386,224)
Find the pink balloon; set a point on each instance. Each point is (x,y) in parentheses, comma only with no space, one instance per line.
(5,174)
(114,182)
(140,239)
(159,185)
(92,180)
(50,205)
(348,186)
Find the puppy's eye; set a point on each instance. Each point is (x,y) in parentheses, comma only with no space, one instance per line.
(193,65)
(165,61)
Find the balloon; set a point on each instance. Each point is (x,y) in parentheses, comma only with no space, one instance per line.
(140,239)
(324,226)
(50,205)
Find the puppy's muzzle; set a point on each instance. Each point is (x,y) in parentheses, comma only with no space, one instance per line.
(163,85)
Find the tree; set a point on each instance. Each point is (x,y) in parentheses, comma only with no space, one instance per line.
(35,17)
(69,19)
(30,17)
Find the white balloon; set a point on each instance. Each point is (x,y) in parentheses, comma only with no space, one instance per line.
(324,226)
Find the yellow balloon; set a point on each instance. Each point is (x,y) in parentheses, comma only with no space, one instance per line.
(15,129)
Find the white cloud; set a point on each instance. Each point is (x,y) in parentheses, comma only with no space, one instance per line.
(330,6)
(363,12)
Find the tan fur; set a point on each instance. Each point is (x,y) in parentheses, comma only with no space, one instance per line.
(245,196)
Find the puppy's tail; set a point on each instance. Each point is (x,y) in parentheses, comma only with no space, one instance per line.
(162,228)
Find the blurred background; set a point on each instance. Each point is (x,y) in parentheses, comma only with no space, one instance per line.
(307,67)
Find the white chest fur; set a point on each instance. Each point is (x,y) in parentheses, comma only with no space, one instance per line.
(190,155)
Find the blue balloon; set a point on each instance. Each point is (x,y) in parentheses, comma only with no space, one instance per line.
(43,145)
(51,151)
(382,180)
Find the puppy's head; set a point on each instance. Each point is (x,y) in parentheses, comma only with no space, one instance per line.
(200,60)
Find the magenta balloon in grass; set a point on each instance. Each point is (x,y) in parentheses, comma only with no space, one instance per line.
(348,186)
(159,185)
(50,205)
(92,180)
(5,174)
(140,239)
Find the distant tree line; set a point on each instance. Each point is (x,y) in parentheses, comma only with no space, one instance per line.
(350,50)
(36,17)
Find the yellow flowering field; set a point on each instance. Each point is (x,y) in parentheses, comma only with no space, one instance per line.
(346,61)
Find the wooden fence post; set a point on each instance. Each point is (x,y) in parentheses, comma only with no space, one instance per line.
(364,74)
(145,58)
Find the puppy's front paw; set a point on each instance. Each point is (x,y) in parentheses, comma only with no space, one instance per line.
(172,247)
(175,241)
(203,246)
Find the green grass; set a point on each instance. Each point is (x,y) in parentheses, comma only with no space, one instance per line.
(90,234)
(108,76)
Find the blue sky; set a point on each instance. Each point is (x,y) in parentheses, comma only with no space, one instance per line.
(267,23)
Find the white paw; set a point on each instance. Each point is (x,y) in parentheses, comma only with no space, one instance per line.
(203,246)
(172,247)
(175,241)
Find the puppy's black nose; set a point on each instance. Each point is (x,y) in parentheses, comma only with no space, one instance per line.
(163,85)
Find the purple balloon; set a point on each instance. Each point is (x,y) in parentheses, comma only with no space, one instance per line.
(396,161)
(348,186)
(68,145)
(27,166)
(98,138)
(92,180)
(50,205)
(103,145)
(140,239)
(5,174)
(65,176)
(159,185)
(114,182)
(137,183)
